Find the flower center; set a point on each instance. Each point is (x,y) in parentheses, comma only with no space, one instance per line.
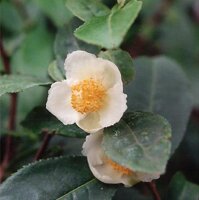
(119,168)
(88,96)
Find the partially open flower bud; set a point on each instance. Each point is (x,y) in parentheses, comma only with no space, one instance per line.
(105,169)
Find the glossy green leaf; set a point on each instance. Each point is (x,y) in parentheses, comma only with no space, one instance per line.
(123,61)
(86,9)
(54,72)
(109,31)
(17,83)
(65,43)
(141,142)
(160,86)
(56,10)
(181,189)
(40,119)
(92,190)
(65,178)
(47,179)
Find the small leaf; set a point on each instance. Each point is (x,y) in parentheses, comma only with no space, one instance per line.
(56,10)
(141,142)
(109,31)
(66,178)
(65,43)
(54,72)
(160,86)
(181,189)
(17,83)
(40,119)
(121,2)
(86,9)
(123,61)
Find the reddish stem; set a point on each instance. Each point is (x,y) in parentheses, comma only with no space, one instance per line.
(154,190)
(12,116)
(5,58)
(44,145)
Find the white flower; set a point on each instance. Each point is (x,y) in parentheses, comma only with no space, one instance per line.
(92,94)
(105,169)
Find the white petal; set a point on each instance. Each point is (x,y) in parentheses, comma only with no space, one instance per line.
(114,107)
(101,169)
(90,123)
(58,103)
(80,65)
(145,177)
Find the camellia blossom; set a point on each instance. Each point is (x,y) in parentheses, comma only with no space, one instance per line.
(105,169)
(92,94)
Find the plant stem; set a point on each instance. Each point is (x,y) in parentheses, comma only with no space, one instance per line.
(5,58)
(44,145)
(12,116)
(153,188)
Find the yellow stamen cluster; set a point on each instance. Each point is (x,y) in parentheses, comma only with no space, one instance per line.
(119,168)
(88,96)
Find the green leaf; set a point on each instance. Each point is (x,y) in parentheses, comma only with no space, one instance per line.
(92,190)
(181,189)
(56,10)
(40,119)
(109,31)
(59,178)
(86,9)
(141,142)
(160,86)
(35,53)
(183,48)
(54,72)
(17,83)
(47,179)
(33,57)
(65,43)
(8,13)
(123,61)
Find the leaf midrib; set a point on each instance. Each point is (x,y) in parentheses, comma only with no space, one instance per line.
(152,87)
(77,188)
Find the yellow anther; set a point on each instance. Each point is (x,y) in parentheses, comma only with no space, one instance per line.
(119,168)
(88,96)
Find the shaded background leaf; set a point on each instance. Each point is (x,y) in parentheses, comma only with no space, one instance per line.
(54,72)
(161,87)
(65,43)
(181,189)
(40,119)
(55,10)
